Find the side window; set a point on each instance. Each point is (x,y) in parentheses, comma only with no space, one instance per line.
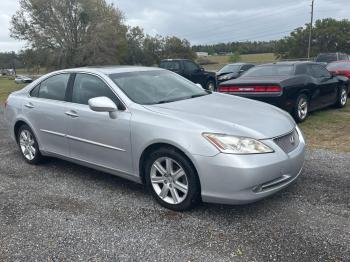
(54,87)
(170,65)
(343,57)
(35,91)
(246,67)
(89,86)
(319,71)
(190,66)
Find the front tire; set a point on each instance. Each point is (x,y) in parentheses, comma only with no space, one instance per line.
(301,108)
(342,97)
(28,145)
(172,179)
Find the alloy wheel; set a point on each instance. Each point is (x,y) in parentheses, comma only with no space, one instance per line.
(343,97)
(169,180)
(27,144)
(302,108)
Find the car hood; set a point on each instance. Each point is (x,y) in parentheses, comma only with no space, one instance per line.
(221,113)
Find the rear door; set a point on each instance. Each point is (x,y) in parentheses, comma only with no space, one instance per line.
(45,109)
(95,137)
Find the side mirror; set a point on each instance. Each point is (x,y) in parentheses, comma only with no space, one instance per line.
(199,85)
(103,104)
(201,69)
(241,71)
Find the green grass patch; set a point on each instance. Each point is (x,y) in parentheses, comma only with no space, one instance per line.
(7,86)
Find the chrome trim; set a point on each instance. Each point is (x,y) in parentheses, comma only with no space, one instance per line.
(83,140)
(94,143)
(53,133)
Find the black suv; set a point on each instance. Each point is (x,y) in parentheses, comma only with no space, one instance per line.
(191,71)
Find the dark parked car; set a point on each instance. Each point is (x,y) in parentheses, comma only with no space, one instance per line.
(327,58)
(191,71)
(297,87)
(232,71)
(341,68)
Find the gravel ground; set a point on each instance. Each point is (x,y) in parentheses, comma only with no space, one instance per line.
(63,212)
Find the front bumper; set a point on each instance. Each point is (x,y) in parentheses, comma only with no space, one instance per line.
(241,179)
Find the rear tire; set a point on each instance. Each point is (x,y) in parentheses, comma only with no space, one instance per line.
(342,97)
(28,145)
(301,108)
(172,179)
(210,86)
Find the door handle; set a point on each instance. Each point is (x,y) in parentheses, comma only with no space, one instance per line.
(29,105)
(72,114)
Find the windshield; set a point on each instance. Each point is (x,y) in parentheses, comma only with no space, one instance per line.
(156,87)
(270,70)
(326,58)
(339,66)
(229,69)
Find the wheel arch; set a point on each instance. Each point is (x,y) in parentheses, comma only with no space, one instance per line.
(154,146)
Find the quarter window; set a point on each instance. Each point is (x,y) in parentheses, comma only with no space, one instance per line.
(89,86)
(53,88)
(319,71)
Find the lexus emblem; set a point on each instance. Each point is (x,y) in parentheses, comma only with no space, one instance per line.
(292,140)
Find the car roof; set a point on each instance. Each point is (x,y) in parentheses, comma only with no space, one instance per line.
(113,69)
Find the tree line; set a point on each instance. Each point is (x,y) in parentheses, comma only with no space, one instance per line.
(71,33)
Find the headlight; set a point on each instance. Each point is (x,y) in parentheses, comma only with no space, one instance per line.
(225,77)
(237,145)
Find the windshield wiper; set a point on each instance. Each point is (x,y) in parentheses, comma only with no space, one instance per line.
(184,98)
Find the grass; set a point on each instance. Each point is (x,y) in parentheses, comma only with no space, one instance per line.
(324,129)
(7,86)
(222,60)
(328,129)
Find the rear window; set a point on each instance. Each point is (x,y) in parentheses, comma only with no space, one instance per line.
(270,70)
(170,65)
(339,66)
(326,58)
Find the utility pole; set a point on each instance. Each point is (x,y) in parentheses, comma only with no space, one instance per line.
(310,33)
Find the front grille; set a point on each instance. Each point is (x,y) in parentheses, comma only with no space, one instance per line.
(288,142)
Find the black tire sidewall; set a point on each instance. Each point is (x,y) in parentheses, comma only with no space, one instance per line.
(193,195)
(296,115)
(37,157)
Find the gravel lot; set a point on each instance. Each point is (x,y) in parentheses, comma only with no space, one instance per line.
(63,212)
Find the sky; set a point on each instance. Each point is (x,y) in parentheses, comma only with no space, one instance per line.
(206,21)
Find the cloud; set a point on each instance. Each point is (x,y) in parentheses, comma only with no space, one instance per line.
(208,21)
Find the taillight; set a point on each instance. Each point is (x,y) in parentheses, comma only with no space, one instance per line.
(250,89)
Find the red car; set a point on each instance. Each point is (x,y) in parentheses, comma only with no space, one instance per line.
(340,68)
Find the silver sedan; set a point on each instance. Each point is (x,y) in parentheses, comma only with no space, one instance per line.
(155,127)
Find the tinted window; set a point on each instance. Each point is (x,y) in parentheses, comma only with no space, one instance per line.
(170,65)
(327,58)
(270,70)
(153,87)
(190,67)
(89,86)
(229,69)
(303,69)
(54,87)
(319,71)
(246,67)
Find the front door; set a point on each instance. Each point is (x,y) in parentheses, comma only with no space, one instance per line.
(95,137)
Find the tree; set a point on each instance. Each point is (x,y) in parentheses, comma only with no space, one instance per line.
(329,35)
(73,32)
(174,47)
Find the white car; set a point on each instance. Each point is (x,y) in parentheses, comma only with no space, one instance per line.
(23,79)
